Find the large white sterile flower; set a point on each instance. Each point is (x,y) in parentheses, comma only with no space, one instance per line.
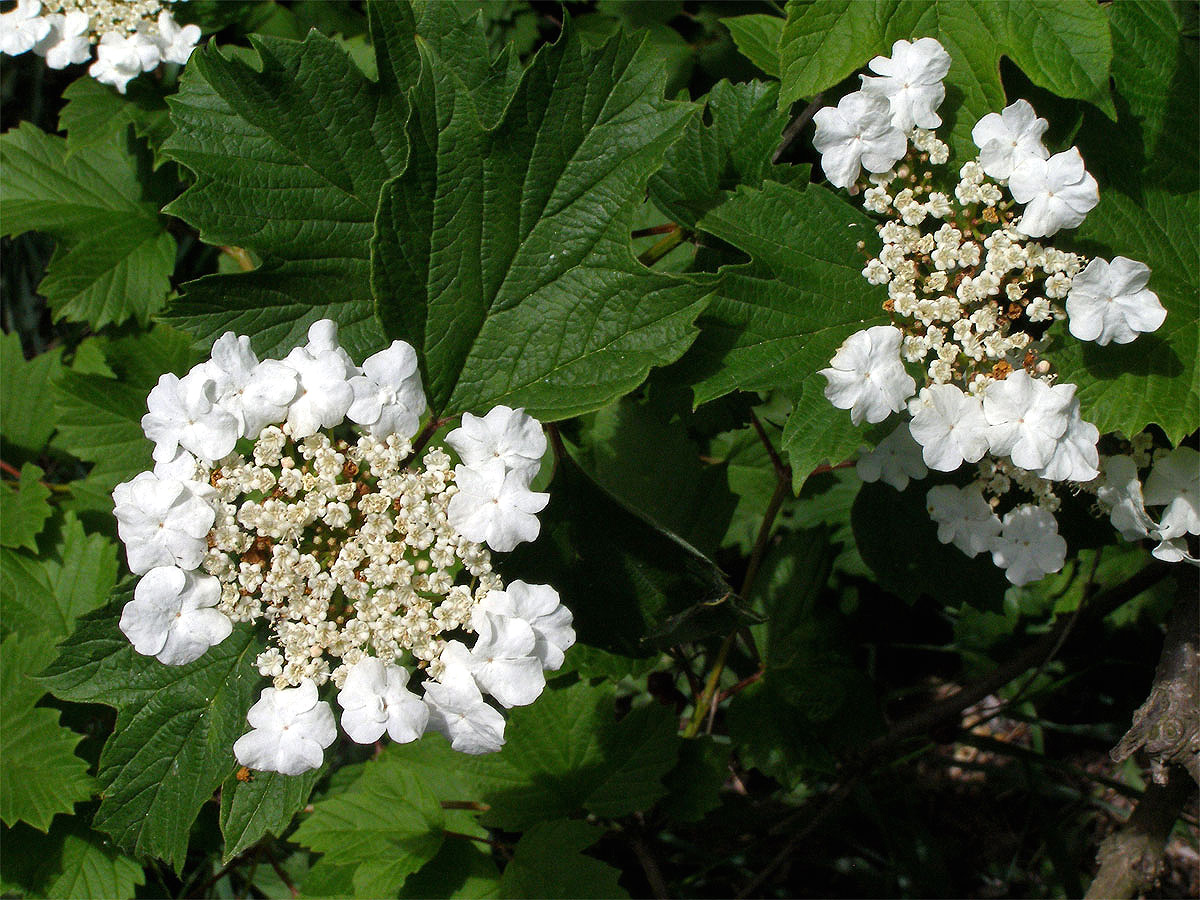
(375,698)
(184,413)
(858,133)
(176,44)
(388,397)
(1174,482)
(494,507)
(963,518)
(540,606)
(180,467)
(509,435)
(1006,138)
(1122,494)
(324,370)
(457,710)
(1029,545)
(894,461)
(171,615)
(67,41)
(22,27)
(162,522)
(949,425)
(256,394)
(1109,302)
(911,82)
(1057,192)
(867,377)
(121,58)
(502,661)
(1075,457)
(292,728)
(1026,417)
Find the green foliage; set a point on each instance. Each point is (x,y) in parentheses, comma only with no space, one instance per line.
(264,805)
(710,159)
(42,774)
(71,862)
(288,165)
(24,510)
(114,258)
(556,316)
(1063,46)
(175,728)
(758,38)
(548,862)
(26,423)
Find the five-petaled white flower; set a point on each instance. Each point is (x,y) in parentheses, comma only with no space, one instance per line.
(1057,192)
(457,710)
(1026,417)
(163,522)
(388,397)
(504,433)
(255,393)
(1006,138)
(184,413)
(949,425)
(539,606)
(963,517)
(894,461)
(22,27)
(867,377)
(1029,546)
(911,82)
(375,698)
(1109,302)
(495,507)
(292,728)
(171,615)
(858,133)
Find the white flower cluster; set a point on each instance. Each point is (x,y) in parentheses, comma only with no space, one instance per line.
(288,492)
(1173,484)
(971,297)
(129,36)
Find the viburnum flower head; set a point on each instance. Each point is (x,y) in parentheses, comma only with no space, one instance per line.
(911,82)
(172,615)
(867,377)
(1110,303)
(1029,546)
(365,563)
(1057,192)
(1007,138)
(291,729)
(858,133)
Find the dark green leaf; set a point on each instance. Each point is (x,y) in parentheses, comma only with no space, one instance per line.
(548,862)
(757,38)
(28,422)
(264,805)
(24,509)
(173,743)
(503,253)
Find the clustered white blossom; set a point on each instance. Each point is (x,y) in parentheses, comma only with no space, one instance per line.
(129,36)
(289,493)
(971,296)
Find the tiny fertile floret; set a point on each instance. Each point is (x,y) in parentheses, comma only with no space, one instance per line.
(288,496)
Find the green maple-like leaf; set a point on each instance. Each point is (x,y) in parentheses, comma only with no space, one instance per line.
(114,258)
(23,509)
(548,862)
(289,162)
(42,774)
(27,422)
(173,742)
(1062,46)
(503,252)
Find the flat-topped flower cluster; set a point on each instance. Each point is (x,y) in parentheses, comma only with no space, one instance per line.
(129,36)
(972,295)
(289,493)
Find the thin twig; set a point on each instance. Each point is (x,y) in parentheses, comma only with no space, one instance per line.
(710,688)
(654,229)
(465,804)
(475,837)
(668,243)
(796,126)
(10,469)
(427,432)
(658,885)
(283,876)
